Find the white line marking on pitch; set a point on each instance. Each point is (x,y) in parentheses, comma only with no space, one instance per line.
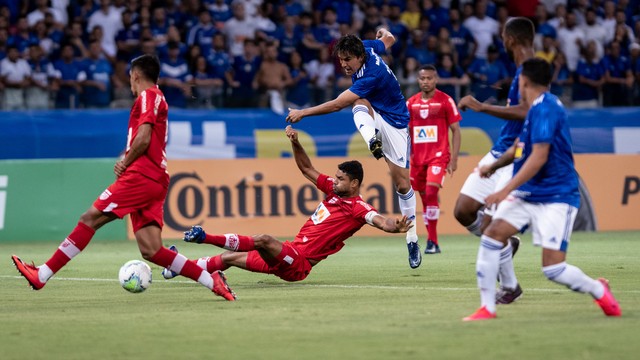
(336,286)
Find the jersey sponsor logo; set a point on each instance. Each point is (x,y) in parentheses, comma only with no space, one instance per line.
(105,195)
(436,170)
(320,215)
(425,134)
(4,181)
(288,259)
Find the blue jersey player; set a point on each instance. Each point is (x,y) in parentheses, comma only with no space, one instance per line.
(517,35)
(380,115)
(543,194)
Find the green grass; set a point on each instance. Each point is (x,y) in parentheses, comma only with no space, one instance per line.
(362,303)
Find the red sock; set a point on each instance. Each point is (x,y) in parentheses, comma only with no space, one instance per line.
(70,247)
(432,212)
(214,263)
(178,263)
(233,242)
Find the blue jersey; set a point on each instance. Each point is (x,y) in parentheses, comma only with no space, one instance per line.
(375,82)
(512,128)
(557,181)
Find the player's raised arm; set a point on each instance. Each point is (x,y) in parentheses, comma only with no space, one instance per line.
(346,98)
(301,157)
(386,37)
(515,112)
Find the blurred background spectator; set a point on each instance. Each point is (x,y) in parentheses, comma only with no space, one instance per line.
(202,43)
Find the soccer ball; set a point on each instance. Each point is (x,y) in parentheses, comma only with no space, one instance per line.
(135,276)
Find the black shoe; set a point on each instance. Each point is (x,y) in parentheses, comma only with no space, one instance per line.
(432,248)
(515,244)
(507,296)
(375,146)
(415,257)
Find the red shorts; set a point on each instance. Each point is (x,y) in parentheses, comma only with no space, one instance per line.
(137,195)
(422,174)
(289,265)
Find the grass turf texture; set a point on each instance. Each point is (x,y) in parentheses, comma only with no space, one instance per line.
(362,303)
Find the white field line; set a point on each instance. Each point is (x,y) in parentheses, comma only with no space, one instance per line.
(334,286)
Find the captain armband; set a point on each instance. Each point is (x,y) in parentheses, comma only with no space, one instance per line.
(369,217)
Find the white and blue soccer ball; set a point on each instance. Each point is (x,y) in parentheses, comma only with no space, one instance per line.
(135,276)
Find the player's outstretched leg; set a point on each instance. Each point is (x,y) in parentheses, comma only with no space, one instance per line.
(232,242)
(573,278)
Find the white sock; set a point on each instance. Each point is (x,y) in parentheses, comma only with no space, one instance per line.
(364,122)
(573,278)
(408,208)
(44,273)
(206,280)
(487,270)
(507,274)
(476,226)
(202,262)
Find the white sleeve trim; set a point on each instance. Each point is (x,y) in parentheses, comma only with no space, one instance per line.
(369,217)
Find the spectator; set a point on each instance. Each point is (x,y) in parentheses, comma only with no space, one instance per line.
(42,36)
(75,38)
(609,19)
(461,39)
(562,79)
(398,29)
(237,29)
(95,78)
(322,77)
(482,28)
(292,7)
(15,75)
(41,9)
(265,28)
(487,76)
(559,20)
(272,79)
(159,24)
(311,39)
(219,65)
(408,77)
(372,21)
(618,84)
(205,86)
(97,34)
(343,8)
(23,37)
(621,21)
(244,72)
(298,95)
(329,28)
(172,36)
(67,71)
(438,15)
(571,39)
(594,31)
(127,41)
(175,78)
(548,51)
(202,33)
(220,12)
(42,75)
(417,48)
(589,79)
(288,38)
(411,15)
(622,36)
(543,27)
(110,20)
(451,77)
(250,6)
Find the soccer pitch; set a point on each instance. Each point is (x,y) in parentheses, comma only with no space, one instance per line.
(362,303)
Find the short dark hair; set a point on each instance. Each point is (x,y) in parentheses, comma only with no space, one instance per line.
(353,169)
(349,45)
(538,71)
(427,67)
(521,29)
(149,66)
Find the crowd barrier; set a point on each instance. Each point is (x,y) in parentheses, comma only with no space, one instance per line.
(42,199)
(224,134)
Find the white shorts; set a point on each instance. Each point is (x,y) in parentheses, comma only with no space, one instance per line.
(395,142)
(479,188)
(551,223)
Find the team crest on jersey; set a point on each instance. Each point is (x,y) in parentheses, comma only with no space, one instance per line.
(320,215)
(424,113)
(436,170)
(105,195)
(425,134)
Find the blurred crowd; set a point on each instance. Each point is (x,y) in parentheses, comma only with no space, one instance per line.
(276,54)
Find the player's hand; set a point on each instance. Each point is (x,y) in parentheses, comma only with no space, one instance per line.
(380,33)
(403,224)
(291,133)
(494,199)
(294,115)
(119,168)
(452,167)
(469,102)
(485,171)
